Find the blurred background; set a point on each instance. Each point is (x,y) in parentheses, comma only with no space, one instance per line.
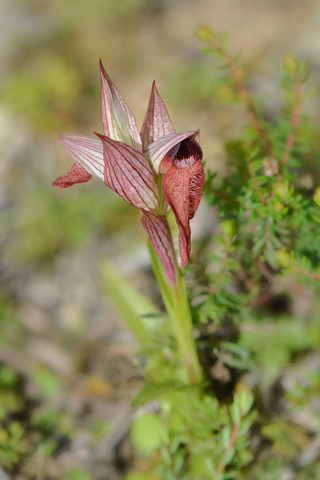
(63,349)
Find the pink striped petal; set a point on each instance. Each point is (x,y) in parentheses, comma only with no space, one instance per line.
(87,151)
(118,120)
(128,173)
(182,186)
(157,122)
(158,149)
(157,228)
(77,174)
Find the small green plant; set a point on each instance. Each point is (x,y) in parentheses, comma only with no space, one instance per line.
(12,444)
(194,436)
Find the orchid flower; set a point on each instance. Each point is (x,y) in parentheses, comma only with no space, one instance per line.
(151,170)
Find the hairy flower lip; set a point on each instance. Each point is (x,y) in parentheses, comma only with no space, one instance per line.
(182,186)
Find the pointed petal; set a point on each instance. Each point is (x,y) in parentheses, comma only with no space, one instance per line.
(128,173)
(117,118)
(157,122)
(77,174)
(87,151)
(182,186)
(158,149)
(157,228)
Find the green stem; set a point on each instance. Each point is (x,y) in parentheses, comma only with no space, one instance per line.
(184,330)
(177,305)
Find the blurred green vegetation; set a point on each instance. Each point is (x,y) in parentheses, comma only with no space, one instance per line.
(49,222)
(52,79)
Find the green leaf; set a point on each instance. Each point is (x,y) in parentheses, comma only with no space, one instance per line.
(232,474)
(77,473)
(245,426)
(16,431)
(137,476)
(244,399)
(178,462)
(236,349)
(209,465)
(229,457)
(47,380)
(153,390)
(205,33)
(201,465)
(226,434)
(147,432)
(8,376)
(235,413)
(129,301)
